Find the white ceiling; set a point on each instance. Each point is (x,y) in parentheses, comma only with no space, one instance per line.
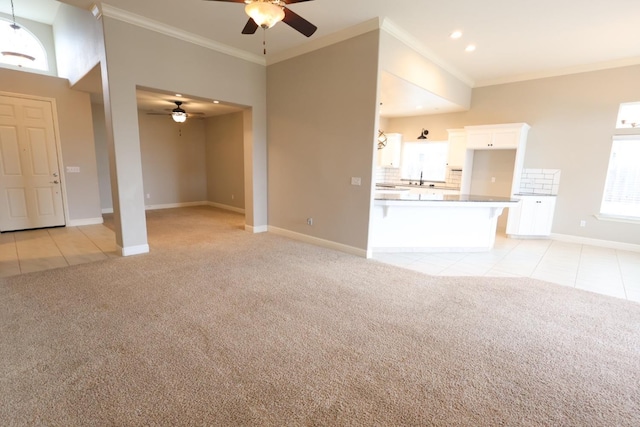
(516,40)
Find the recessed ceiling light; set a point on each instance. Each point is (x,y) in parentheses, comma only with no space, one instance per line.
(470,48)
(178,94)
(216,102)
(456,34)
(419,107)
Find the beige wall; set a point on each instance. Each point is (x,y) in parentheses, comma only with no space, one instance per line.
(102,157)
(139,57)
(572,121)
(493,175)
(78,41)
(400,60)
(224,155)
(76,136)
(322,127)
(173,162)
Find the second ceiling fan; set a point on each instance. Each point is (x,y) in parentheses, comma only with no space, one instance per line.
(266,13)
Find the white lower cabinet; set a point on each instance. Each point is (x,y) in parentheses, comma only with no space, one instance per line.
(532,216)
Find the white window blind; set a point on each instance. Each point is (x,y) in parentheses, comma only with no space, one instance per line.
(428,158)
(622,188)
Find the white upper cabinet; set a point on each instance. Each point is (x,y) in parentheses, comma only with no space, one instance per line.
(457,146)
(496,137)
(389,155)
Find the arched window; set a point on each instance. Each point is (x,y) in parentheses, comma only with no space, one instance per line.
(19,45)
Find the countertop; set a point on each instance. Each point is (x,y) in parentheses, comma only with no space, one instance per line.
(408,197)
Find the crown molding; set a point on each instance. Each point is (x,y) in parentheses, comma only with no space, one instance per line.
(391,28)
(560,72)
(328,40)
(159,27)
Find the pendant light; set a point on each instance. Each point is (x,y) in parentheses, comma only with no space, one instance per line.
(178,114)
(14,52)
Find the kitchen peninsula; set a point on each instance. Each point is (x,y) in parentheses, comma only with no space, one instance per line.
(410,222)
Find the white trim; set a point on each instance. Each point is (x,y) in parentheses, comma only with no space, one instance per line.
(328,40)
(603,217)
(85,221)
(168,30)
(391,28)
(319,242)
(173,205)
(596,242)
(258,229)
(560,72)
(225,207)
(185,205)
(134,250)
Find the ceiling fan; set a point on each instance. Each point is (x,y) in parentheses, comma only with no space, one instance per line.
(178,114)
(267,13)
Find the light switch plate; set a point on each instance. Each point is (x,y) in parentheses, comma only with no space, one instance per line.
(73,169)
(356,180)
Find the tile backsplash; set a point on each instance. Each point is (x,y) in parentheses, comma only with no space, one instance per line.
(388,175)
(540,181)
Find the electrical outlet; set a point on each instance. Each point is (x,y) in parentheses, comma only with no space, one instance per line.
(233,196)
(310,221)
(583,223)
(148,196)
(356,180)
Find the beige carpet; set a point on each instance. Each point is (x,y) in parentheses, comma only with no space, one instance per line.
(219,327)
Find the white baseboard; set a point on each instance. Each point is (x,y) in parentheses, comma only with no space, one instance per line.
(258,229)
(319,242)
(173,205)
(225,207)
(596,242)
(84,221)
(134,250)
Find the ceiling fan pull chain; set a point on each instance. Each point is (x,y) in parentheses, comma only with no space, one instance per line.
(264,41)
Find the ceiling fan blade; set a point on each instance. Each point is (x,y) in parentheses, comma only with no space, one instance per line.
(297,22)
(250,28)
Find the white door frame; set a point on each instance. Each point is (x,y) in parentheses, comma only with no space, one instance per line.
(56,134)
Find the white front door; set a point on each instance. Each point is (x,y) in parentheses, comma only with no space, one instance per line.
(30,189)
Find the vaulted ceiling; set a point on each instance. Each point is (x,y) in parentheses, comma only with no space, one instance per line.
(515,40)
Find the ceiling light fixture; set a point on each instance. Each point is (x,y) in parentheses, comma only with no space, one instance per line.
(456,34)
(423,134)
(470,48)
(15,52)
(265,13)
(178,114)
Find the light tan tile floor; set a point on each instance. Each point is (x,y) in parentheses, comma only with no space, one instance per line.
(44,249)
(601,270)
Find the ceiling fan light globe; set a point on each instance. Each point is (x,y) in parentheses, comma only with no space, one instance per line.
(264,13)
(179,116)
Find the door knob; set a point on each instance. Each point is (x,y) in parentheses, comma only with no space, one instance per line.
(54,182)
(55,174)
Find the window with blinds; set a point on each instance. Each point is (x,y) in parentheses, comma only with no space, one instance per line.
(621,197)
